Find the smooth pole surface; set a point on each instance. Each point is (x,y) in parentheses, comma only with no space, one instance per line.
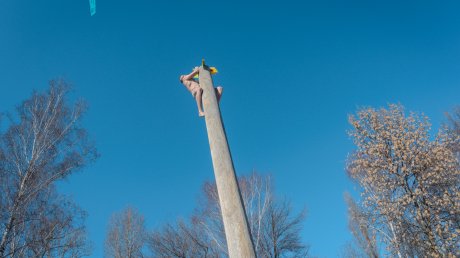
(236,227)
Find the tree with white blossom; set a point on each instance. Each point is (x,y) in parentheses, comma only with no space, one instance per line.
(410,181)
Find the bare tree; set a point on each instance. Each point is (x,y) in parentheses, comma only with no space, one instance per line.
(454,125)
(281,232)
(44,143)
(350,250)
(365,241)
(58,232)
(454,119)
(274,227)
(410,183)
(182,240)
(257,197)
(126,235)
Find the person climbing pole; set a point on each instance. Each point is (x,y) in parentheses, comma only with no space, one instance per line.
(194,88)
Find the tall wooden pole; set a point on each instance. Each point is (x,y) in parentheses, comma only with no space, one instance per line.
(236,227)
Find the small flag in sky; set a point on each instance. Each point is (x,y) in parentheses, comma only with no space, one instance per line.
(92,7)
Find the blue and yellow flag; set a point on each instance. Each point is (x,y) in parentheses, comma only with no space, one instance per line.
(213,70)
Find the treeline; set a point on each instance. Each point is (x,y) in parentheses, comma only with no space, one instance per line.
(407,178)
(275,227)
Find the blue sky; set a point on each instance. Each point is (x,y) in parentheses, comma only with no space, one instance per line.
(292,72)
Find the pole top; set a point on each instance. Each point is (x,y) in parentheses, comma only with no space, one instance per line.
(204,65)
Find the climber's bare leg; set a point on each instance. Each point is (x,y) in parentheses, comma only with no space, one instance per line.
(199,102)
(219,90)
